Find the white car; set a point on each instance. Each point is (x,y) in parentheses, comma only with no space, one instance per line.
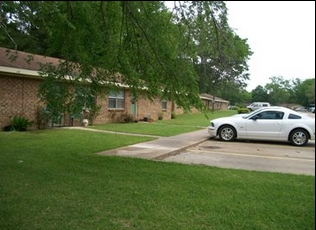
(257,105)
(270,123)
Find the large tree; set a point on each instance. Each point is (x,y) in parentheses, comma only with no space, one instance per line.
(304,91)
(161,52)
(221,55)
(260,94)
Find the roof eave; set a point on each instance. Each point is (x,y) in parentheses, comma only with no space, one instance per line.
(19,72)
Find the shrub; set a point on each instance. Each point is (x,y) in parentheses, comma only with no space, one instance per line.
(160,116)
(173,115)
(243,110)
(94,111)
(126,118)
(20,123)
(8,128)
(41,118)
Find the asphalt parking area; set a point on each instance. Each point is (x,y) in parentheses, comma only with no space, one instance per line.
(251,155)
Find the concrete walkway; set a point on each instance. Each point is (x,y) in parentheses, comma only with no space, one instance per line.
(157,149)
(108,131)
(160,148)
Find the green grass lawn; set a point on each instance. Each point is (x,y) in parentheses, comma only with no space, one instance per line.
(182,124)
(53,179)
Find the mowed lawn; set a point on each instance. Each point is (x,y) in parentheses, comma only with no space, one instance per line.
(53,179)
(183,123)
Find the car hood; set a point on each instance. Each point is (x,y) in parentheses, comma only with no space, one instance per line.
(240,115)
(233,117)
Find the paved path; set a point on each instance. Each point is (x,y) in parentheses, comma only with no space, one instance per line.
(157,149)
(161,147)
(108,131)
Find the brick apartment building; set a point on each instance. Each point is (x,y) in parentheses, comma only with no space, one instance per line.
(19,84)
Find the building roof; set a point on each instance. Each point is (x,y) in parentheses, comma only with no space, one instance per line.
(23,60)
(23,63)
(210,97)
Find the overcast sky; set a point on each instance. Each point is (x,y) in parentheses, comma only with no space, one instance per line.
(280,34)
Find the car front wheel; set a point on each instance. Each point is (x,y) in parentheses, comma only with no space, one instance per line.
(227,133)
(299,137)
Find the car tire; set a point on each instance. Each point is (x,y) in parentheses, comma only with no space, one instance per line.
(227,133)
(299,137)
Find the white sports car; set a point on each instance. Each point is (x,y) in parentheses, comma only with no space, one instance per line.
(269,123)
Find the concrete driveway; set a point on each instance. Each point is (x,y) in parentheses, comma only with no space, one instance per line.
(251,155)
(197,148)
(254,155)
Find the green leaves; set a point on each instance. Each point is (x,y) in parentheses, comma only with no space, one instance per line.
(171,54)
(20,123)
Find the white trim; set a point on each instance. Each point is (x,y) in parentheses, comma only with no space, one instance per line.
(34,73)
(211,99)
(18,71)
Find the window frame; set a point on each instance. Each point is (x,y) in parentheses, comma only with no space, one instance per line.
(117,99)
(164,105)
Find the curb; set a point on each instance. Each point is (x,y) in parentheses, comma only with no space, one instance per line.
(178,151)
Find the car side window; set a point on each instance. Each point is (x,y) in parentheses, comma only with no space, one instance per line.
(270,115)
(279,115)
(294,116)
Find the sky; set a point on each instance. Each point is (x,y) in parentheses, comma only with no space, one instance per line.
(281,36)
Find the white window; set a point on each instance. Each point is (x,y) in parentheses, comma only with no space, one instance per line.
(116,99)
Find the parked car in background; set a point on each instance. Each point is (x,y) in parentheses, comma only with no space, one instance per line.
(301,109)
(272,123)
(257,105)
(232,107)
(311,108)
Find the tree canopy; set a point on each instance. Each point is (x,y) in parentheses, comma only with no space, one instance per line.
(281,92)
(172,53)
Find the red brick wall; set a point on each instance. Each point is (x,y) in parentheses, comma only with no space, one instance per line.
(152,109)
(144,108)
(107,115)
(18,96)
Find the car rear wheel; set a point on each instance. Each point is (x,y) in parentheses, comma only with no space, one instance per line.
(299,137)
(227,133)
